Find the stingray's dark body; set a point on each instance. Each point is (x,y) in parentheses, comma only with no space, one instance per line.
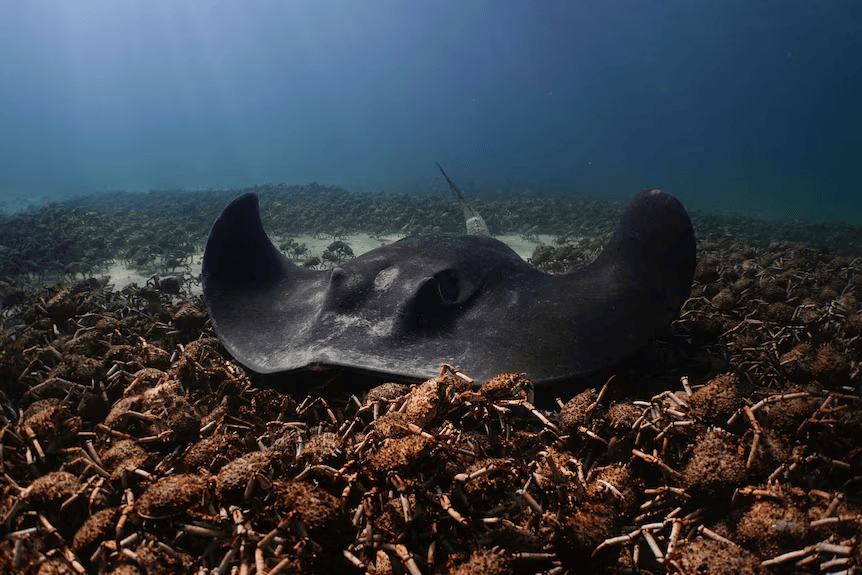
(401,310)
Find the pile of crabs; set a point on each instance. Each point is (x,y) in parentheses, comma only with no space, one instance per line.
(130,442)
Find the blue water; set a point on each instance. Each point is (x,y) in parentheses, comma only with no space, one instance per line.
(734,106)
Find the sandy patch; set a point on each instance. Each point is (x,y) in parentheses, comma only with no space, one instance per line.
(122,275)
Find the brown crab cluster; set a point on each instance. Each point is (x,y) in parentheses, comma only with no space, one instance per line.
(131,444)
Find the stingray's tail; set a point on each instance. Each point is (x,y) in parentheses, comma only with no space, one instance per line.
(475,224)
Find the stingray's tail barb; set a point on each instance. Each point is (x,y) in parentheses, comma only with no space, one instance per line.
(475,224)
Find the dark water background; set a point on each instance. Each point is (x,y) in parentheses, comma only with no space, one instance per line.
(735,106)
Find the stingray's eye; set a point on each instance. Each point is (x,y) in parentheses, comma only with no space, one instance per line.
(440,290)
(345,290)
(435,301)
(447,286)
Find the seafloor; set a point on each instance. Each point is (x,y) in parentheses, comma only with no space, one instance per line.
(130,441)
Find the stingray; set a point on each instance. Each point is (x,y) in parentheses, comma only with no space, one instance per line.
(401,310)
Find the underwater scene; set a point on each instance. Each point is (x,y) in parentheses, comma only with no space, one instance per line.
(430,287)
